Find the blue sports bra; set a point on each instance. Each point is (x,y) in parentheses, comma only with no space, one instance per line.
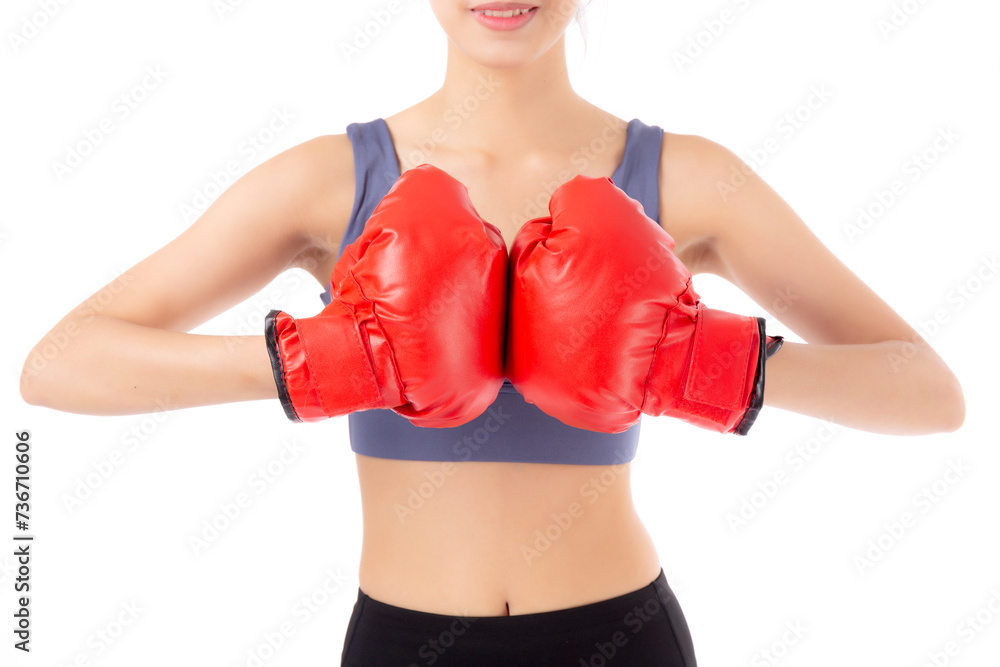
(511,429)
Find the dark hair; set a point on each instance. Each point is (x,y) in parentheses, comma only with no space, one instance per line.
(578,17)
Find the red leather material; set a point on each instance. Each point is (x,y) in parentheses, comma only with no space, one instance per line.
(424,290)
(711,387)
(326,370)
(604,323)
(723,359)
(589,289)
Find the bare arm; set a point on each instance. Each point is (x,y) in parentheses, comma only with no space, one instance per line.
(125,349)
(864,366)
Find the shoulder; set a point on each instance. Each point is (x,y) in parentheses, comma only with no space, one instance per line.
(324,167)
(697,179)
(319,175)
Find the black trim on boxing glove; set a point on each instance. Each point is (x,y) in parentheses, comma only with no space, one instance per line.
(774,344)
(767,348)
(277,368)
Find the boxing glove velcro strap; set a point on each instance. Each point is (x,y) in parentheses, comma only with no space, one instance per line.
(743,390)
(705,368)
(723,355)
(321,365)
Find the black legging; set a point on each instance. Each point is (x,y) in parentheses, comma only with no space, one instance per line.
(645,627)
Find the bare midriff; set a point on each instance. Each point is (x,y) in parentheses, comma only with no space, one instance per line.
(496,538)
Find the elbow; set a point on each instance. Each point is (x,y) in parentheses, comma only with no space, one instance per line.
(38,384)
(47,370)
(953,400)
(30,387)
(27,389)
(947,403)
(937,402)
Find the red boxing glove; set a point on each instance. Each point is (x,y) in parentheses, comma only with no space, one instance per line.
(603,323)
(416,319)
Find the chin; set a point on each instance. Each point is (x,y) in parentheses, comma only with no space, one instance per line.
(503,49)
(502,56)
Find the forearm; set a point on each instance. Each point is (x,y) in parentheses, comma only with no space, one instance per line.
(889,387)
(107,366)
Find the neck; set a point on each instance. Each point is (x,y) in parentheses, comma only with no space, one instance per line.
(499,111)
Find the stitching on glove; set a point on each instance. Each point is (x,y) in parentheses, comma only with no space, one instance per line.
(366,343)
(664,329)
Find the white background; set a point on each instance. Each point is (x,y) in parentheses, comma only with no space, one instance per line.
(794,562)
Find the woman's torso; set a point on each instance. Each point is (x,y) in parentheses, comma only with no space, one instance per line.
(498,538)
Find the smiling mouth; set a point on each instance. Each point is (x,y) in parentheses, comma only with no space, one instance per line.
(503,16)
(504,13)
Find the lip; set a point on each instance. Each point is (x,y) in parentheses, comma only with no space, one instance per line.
(503,23)
(501,6)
